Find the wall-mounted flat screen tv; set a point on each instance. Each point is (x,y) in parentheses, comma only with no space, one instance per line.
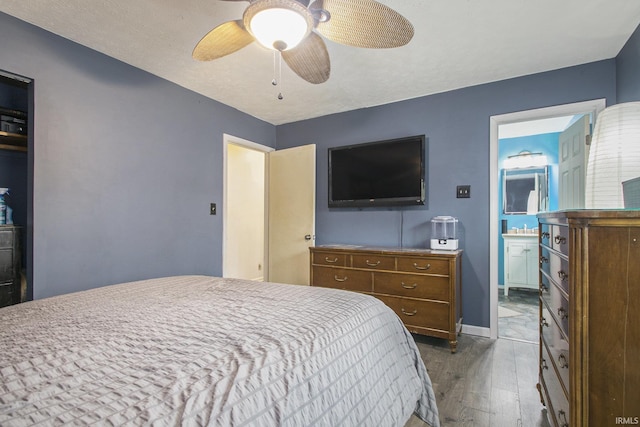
(381,173)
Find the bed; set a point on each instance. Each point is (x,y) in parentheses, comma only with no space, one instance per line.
(198,350)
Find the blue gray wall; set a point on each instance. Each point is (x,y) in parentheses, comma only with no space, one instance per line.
(125,166)
(628,69)
(457,126)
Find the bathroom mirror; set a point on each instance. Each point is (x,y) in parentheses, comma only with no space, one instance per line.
(525,190)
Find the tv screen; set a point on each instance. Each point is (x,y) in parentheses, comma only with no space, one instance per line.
(382,173)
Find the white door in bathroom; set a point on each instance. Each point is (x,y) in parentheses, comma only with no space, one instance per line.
(573,152)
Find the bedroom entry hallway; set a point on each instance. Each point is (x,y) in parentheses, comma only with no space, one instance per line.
(268,211)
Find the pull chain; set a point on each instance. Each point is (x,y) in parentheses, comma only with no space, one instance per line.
(277,71)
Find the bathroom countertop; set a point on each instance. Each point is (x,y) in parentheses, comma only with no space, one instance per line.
(520,235)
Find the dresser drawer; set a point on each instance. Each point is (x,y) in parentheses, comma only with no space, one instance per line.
(545,234)
(412,285)
(423,314)
(338,259)
(423,265)
(7,267)
(342,278)
(374,262)
(558,346)
(558,405)
(560,239)
(556,267)
(558,355)
(6,238)
(557,302)
(6,294)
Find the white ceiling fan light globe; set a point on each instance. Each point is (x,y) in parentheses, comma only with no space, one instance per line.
(278,24)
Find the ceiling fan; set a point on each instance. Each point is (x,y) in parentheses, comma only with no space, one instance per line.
(293,28)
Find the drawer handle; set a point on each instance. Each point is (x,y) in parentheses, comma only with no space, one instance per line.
(428,266)
(560,240)
(543,322)
(562,275)
(413,313)
(404,285)
(562,313)
(545,235)
(562,359)
(340,279)
(543,364)
(330,261)
(372,264)
(562,418)
(544,260)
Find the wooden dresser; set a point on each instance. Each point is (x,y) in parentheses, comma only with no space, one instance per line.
(590,317)
(422,286)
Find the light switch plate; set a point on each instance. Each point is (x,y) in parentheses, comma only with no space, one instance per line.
(463,191)
(212,209)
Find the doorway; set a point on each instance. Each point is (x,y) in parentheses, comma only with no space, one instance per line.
(244,254)
(496,247)
(268,211)
(16,174)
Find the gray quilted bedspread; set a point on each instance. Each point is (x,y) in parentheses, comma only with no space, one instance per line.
(196,350)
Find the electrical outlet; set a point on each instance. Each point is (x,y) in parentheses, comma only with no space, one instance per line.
(463,191)
(212,209)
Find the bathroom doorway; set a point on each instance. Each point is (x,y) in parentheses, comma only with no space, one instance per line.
(522,142)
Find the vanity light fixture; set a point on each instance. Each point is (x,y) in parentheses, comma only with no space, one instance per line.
(525,159)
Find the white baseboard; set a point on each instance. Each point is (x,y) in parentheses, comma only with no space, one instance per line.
(476,330)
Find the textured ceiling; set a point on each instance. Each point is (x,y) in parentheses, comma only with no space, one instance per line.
(457,43)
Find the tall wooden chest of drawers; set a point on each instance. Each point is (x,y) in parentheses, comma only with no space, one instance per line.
(422,286)
(590,317)
(10,262)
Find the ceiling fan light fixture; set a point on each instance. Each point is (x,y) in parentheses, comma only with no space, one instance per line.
(278,24)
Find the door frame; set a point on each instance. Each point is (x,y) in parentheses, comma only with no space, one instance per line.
(593,107)
(28,227)
(230,139)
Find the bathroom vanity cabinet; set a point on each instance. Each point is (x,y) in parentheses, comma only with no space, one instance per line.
(589,370)
(520,261)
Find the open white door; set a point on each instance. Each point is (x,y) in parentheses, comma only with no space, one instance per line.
(573,153)
(292,207)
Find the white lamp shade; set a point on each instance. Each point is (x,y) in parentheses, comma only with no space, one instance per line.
(614,156)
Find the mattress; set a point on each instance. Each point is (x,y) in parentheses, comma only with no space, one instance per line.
(198,350)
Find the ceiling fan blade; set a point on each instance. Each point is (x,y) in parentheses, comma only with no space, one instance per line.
(310,59)
(222,40)
(363,23)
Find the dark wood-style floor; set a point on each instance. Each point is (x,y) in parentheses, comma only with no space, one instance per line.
(486,383)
